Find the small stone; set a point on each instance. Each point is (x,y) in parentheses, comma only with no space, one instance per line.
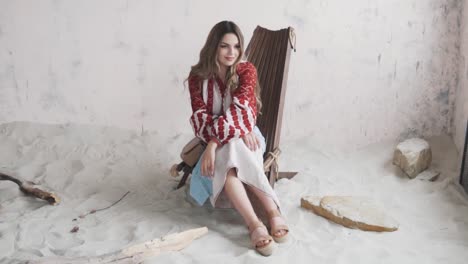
(351,212)
(428,175)
(413,156)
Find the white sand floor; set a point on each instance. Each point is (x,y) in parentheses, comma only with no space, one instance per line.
(91,167)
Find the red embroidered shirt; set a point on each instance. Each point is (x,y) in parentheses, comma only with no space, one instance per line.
(235,121)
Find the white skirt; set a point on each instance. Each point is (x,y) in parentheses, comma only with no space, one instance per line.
(249,167)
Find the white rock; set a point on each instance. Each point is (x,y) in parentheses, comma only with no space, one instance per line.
(352,212)
(413,156)
(428,175)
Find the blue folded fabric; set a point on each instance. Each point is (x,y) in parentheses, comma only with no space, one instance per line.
(201,187)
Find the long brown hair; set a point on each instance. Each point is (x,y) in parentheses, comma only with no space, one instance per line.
(207,66)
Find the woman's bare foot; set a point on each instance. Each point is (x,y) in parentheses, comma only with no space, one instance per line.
(261,240)
(278,228)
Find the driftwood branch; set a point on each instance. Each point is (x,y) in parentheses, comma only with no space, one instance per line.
(29,189)
(101,209)
(136,253)
(107,207)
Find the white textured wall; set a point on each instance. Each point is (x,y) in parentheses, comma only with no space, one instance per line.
(364,70)
(461,102)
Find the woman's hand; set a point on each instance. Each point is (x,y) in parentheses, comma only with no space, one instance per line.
(251,141)
(208,159)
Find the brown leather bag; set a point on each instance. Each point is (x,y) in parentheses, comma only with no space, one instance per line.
(192,151)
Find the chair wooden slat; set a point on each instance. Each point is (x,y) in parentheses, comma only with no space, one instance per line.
(270,51)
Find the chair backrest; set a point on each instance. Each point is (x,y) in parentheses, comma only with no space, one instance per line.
(270,51)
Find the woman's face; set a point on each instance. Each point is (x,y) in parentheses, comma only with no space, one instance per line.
(228,50)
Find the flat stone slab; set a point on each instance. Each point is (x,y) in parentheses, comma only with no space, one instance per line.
(351,212)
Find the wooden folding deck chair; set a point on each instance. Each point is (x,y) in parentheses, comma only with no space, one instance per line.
(269,51)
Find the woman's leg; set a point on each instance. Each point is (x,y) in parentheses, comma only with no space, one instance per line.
(270,206)
(266,200)
(237,194)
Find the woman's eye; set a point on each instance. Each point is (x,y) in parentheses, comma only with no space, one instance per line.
(226,46)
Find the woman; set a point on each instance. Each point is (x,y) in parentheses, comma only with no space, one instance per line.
(225,99)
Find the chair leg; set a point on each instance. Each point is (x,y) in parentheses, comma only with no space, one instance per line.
(273,174)
(187,171)
(286,174)
(272,178)
(183,180)
(181,166)
(176,168)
